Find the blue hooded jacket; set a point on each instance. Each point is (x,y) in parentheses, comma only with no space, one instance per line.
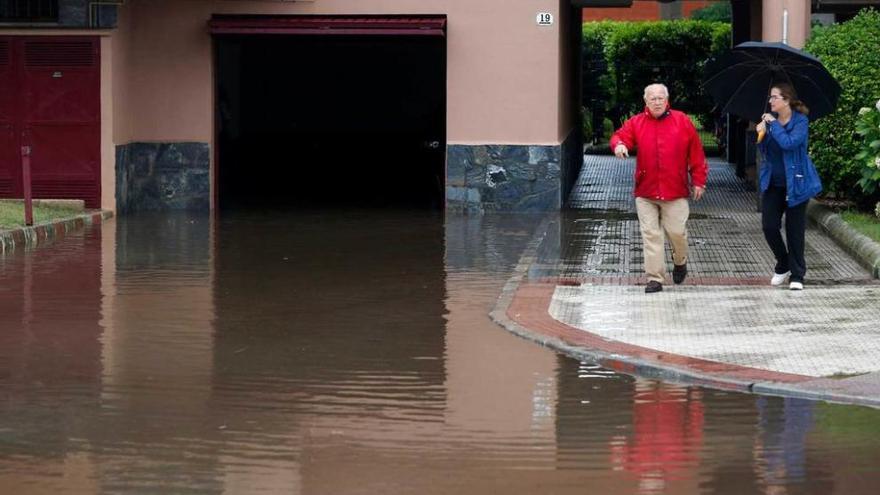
(801,178)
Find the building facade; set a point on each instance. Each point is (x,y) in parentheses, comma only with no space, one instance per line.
(167,104)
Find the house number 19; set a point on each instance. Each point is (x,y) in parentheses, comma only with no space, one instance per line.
(545,19)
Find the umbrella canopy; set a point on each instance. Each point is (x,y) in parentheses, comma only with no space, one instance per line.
(740,79)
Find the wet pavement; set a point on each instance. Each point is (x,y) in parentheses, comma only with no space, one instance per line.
(582,283)
(351,352)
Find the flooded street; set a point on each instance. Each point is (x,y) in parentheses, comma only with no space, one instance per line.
(351,352)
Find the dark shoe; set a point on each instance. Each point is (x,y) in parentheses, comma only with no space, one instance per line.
(653,286)
(679,273)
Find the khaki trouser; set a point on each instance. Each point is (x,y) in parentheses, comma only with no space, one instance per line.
(655,218)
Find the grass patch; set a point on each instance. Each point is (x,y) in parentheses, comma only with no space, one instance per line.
(864,223)
(844,376)
(12,213)
(847,424)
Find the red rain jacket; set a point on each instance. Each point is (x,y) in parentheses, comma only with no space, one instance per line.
(669,150)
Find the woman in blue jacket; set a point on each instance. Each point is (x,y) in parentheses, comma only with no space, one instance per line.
(788,181)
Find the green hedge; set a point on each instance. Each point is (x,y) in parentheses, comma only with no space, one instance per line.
(641,53)
(598,84)
(851,52)
(715,12)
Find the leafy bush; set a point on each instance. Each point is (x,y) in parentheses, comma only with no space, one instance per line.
(851,52)
(868,127)
(673,52)
(640,53)
(595,37)
(598,84)
(719,12)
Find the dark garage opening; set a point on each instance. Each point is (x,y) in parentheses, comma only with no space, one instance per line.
(330,120)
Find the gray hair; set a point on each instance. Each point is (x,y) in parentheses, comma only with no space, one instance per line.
(659,86)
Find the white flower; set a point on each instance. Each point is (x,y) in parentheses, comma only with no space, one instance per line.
(864,110)
(877,161)
(877,105)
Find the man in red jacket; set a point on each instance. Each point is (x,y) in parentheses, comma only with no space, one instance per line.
(669,150)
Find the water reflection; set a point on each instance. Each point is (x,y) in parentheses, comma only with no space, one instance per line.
(781,446)
(667,433)
(50,364)
(319,352)
(158,319)
(329,304)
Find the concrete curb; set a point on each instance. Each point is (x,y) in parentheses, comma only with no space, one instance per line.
(845,393)
(49,231)
(860,246)
(620,363)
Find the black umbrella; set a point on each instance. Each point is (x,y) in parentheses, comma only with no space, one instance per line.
(740,79)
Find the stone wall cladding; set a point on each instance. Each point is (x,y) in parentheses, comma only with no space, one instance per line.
(163,176)
(572,161)
(481,178)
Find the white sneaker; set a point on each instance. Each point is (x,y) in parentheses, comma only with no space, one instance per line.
(796,286)
(779,278)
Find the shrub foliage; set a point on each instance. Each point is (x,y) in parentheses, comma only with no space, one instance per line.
(851,52)
(621,58)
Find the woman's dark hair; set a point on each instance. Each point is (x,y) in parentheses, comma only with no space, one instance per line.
(788,92)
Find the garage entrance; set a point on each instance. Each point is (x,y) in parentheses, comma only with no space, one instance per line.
(329,111)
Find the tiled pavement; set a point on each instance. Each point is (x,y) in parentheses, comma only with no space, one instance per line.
(601,233)
(580,289)
(799,333)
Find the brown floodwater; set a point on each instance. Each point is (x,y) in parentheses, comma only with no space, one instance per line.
(351,352)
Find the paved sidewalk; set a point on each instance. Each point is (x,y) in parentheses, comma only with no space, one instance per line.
(580,289)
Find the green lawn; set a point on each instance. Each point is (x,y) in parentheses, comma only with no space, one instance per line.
(12,214)
(864,223)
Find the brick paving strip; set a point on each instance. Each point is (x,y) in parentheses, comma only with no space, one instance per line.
(48,231)
(579,289)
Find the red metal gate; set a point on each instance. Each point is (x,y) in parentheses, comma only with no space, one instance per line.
(50,99)
(10,163)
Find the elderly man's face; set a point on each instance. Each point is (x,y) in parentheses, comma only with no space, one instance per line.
(656,102)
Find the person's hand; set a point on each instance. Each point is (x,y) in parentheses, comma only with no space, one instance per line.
(620,151)
(761,127)
(698,192)
(768,117)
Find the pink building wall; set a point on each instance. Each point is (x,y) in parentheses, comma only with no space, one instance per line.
(508,80)
(503,69)
(798,21)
